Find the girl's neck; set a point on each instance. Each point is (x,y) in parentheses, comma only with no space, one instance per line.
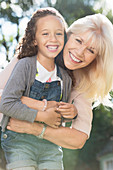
(47,63)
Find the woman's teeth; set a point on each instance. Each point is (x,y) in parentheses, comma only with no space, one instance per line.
(75,59)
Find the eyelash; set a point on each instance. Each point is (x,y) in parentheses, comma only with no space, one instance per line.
(91,51)
(59,33)
(78,41)
(45,34)
(56,34)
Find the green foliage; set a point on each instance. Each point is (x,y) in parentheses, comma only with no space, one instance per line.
(74,9)
(111,93)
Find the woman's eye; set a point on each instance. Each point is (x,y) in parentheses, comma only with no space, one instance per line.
(91,51)
(78,40)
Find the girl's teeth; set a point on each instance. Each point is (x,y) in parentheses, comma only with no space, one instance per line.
(75,59)
(52,47)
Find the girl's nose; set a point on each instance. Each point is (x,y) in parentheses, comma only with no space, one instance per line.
(53,37)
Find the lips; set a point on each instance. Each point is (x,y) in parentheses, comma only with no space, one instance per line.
(73,58)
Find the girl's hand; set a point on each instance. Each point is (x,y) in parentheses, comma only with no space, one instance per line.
(52,104)
(50,117)
(67,110)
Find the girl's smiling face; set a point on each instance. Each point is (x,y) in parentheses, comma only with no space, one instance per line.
(49,37)
(79,52)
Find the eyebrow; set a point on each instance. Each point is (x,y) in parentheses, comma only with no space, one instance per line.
(56,30)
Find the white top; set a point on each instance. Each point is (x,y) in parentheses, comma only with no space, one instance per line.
(82,123)
(44,75)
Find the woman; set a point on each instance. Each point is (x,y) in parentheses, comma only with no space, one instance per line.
(88,53)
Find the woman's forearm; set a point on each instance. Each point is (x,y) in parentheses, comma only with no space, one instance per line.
(66,137)
(63,136)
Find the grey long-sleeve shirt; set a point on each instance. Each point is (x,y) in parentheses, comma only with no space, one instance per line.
(19,85)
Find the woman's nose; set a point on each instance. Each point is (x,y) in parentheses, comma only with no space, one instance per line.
(81,50)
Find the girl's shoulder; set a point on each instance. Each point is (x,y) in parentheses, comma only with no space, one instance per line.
(27,61)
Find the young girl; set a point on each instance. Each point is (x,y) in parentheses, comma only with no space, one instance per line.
(36,76)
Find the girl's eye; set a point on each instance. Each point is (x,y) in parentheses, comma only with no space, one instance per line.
(78,40)
(59,33)
(45,33)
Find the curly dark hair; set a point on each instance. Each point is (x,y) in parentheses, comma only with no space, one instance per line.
(27,48)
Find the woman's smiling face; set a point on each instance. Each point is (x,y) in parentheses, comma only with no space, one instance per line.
(79,52)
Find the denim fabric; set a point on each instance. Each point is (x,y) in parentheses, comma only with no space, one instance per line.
(50,91)
(23,150)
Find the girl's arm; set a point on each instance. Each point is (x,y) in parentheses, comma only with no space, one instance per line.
(12,106)
(4,76)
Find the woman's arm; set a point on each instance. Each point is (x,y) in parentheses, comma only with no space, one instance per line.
(63,136)
(83,122)
(66,137)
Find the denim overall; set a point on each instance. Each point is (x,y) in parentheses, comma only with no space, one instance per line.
(28,150)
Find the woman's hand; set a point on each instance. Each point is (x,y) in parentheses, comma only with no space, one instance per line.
(21,126)
(67,110)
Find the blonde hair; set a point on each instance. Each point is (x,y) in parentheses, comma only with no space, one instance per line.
(96,79)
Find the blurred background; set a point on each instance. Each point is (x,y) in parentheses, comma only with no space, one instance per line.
(97,154)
